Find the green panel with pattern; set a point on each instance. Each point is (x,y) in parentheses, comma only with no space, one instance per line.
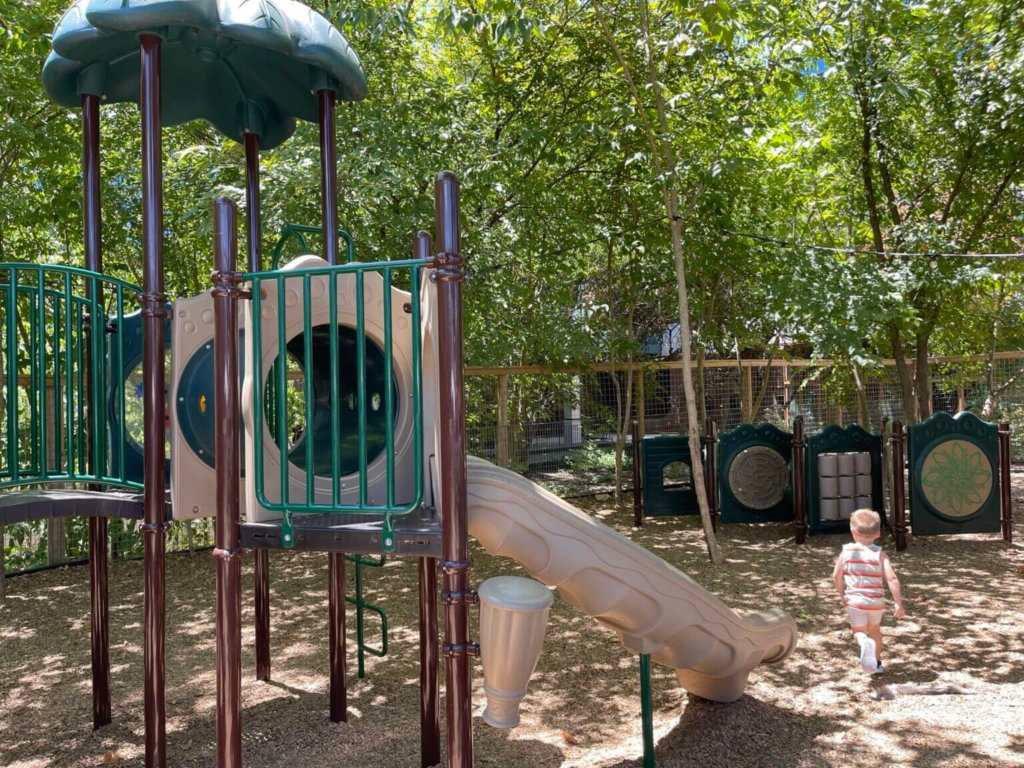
(954,486)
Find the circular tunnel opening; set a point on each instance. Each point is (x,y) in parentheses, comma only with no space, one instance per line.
(319,428)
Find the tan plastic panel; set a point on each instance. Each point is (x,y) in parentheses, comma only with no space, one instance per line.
(653,607)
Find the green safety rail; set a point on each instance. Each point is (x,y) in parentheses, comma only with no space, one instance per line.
(286,505)
(298,232)
(48,344)
(361,606)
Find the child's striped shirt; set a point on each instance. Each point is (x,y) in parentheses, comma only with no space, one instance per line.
(863,575)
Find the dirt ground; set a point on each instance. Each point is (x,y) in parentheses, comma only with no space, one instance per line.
(965,625)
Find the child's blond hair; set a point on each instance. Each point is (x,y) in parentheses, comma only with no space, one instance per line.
(865,522)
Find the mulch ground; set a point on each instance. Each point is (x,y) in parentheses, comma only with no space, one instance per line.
(965,626)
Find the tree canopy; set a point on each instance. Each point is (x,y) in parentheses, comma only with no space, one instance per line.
(890,131)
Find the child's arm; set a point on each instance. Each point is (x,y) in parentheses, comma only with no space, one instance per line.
(894,587)
(837,578)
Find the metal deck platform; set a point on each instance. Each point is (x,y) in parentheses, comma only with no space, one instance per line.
(416,534)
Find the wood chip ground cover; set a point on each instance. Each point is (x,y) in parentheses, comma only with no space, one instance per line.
(965,627)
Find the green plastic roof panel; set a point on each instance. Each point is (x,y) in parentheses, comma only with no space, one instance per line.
(241,65)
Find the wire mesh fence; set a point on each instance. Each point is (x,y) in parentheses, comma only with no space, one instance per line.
(572,431)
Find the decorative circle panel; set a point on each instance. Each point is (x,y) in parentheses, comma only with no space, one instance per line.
(956,478)
(758,476)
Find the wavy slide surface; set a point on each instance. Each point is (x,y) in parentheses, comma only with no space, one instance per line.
(653,607)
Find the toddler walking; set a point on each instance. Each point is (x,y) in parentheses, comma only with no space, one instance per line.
(858,577)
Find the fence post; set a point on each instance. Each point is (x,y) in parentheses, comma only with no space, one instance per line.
(452,465)
(899,512)
(1005,496)
(228,553)
(710,487)
(886,470)
(638,499)
(799,469)
(641,402)
(503,420)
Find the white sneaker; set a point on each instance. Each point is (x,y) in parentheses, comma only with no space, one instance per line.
(868,662)
(880,670)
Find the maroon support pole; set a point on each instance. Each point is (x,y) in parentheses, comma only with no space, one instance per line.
(336,636)
(710,487)
(430,694)
(261,567)
(336,560)
(1005,497)
(452,469)
(799,481)
(899,511)
(153,313)
(99,626)
(638,497)
(881,434)
(228,534)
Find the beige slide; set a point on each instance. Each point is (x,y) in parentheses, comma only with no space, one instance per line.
(653,607)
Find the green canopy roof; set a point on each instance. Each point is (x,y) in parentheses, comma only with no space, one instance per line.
(242,65)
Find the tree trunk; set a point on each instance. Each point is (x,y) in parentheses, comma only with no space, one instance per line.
(906,380)
(924,385)
(863,418)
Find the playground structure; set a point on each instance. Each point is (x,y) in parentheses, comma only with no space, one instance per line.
(374,462)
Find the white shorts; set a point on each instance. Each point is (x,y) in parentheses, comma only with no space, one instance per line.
(861,618)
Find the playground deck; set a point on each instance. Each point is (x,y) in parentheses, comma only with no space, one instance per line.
(964,597)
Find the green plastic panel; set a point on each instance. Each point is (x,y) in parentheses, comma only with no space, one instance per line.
(954,475)
(244,66)
(770,443)
(658,452)
(836,439)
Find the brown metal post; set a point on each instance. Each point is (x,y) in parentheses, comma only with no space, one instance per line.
(228,532)
(899,512)
(710,488)
(153,313)
(336,560)
(261,565)
(336,636)
(1005,497)
(452,469)
(99,625)
(799,481)
(430,694)
(638,494)
(328,175)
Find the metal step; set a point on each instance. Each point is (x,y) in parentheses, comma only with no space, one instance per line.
(416,535)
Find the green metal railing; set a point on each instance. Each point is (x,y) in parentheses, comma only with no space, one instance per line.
(361,607)
(53,356)
(299,232)
(278,405)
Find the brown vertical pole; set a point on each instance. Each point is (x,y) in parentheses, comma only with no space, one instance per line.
(641,402)
(153,313)
(336,636)
(261,566)
(899,512)
(328,175)
(638,498)
(452,468)
(885,470)
(1005,497)
(710,488)
(336,560)
(228,534)
(799,470)
(99,625)
(430,694)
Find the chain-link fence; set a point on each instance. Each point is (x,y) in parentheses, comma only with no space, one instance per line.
(569,431)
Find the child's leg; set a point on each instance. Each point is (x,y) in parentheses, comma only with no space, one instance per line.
(875,633)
